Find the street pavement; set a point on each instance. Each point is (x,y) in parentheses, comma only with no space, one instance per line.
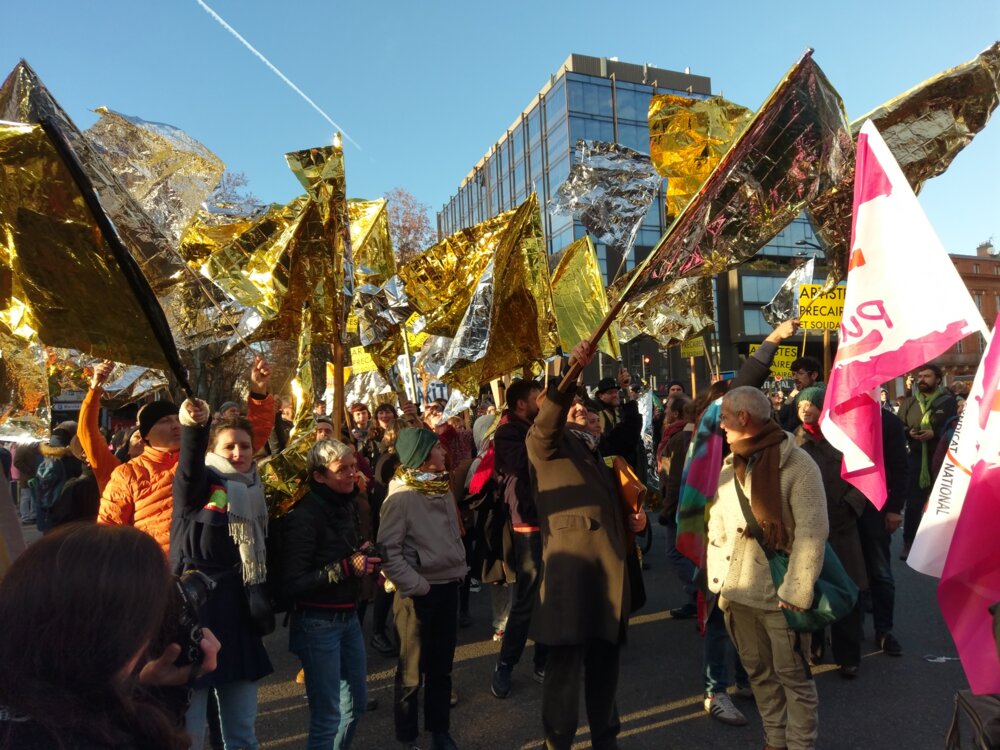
(903,702)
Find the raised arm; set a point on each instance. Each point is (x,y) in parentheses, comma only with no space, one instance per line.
(102,461)
(260,403)
(757,368)
(546,431)
(191,479)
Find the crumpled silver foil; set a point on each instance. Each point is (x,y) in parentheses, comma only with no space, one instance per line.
(785,303)
(611,187)
(473,335)
(648,446)
(457,403)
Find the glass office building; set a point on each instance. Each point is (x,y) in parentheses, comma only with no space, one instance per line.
(606,100)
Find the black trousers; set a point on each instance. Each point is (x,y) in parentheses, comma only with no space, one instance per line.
(528,557)
(595,663)
(428,630)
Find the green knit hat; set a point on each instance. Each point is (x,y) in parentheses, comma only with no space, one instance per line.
(413,446)
(813,394)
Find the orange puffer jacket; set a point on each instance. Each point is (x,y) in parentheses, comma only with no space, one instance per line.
(140,492)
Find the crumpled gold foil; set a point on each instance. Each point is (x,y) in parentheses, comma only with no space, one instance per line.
(670,313)
(925,128)
(796,147)
(167,171)
(610,187)
(23,98)
(579,299)
(374,261)
(510,321)
(440,281)
(284,476)
(688,138)
(208,232)
(63,283)
(24,391)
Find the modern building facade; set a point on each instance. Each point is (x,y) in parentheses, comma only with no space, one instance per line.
(607,100)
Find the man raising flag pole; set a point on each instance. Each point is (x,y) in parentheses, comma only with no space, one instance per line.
(888,329)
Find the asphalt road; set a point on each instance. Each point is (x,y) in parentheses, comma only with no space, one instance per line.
(903,702)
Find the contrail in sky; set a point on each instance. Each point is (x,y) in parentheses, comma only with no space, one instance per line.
(274,70)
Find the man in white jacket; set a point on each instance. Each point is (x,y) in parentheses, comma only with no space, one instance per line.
(787,500)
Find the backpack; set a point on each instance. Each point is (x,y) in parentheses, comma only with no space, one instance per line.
(48,482)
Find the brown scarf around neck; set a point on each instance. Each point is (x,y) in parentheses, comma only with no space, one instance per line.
(765,492)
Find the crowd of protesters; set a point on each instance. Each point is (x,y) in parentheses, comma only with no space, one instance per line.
(406,512)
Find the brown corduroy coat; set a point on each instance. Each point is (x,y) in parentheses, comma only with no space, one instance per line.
(584,591)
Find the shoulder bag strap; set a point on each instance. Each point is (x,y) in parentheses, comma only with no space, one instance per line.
(752,525)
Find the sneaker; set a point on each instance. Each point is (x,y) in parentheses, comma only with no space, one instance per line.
(848,671)
(538,675)
(500,686)
(720,706)
(498,634)
(475,586)
(889,645)
(686,612)
(442,741)
(383,645)
(743,691)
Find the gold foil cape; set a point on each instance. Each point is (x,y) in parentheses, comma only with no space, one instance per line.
(510,321)
(61,280)
(688,138)
(925,128)
(284,475)
(611,188)
(23,98)
(785,303)
(24,390)
(579,299)
(670,313)
(440,281)
(318,249)
(209,232)
(795,148)
(167,171)
(374,261)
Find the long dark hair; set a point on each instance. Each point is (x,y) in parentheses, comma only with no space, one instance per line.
(76,607)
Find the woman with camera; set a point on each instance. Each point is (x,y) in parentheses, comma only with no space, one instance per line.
(219,528)
(325,559)
(82,608)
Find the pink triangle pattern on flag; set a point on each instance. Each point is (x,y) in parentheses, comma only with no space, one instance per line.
(944,505)
(970,583)
(905,304)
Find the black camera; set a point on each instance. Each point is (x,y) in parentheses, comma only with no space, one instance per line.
(193,589)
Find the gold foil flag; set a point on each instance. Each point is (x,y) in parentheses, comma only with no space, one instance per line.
(65,284)
(688,138)
(24,390)
(795,148)
(579,299)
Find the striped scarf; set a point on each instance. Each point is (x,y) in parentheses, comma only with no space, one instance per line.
(699,483)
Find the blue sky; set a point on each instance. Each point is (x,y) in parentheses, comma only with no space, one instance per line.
(426,87)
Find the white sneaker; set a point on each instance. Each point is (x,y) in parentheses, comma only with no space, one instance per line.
(720,706)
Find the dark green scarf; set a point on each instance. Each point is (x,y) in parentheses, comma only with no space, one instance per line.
(924,402)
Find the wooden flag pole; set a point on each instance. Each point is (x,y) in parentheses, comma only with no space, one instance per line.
(693,378)
(826,355)
(339,396)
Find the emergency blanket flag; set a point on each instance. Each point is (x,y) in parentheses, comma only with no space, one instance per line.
(888,329)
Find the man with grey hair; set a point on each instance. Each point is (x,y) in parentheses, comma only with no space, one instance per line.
(786,504)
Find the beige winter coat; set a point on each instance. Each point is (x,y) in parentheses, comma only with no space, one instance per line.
(737,566)
(422,539)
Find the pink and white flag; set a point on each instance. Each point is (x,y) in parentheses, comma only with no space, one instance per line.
(905,304)
(944,505)
(970,583)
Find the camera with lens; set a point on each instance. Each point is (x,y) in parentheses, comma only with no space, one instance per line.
(193,589)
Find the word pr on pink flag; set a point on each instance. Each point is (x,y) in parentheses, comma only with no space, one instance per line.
(970,583)
(944,505)
(905,304)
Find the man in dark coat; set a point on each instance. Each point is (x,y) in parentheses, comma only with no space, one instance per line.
(925,415)
(583,603)
(514,484)
(621,423)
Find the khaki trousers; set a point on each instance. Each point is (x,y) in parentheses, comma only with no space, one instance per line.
(780,678)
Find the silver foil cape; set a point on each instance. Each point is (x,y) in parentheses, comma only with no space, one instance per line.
(785,303)
(611,187)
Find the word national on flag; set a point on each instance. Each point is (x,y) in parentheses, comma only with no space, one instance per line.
(888,329)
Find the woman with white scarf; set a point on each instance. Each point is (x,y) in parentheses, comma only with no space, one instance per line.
(219,527)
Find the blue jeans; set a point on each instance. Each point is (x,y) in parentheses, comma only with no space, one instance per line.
(684,567)
(237,709)
(331,648)
(719,650)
